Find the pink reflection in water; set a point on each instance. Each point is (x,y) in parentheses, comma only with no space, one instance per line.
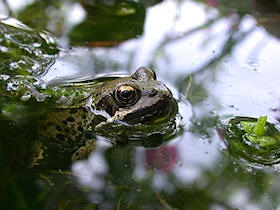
(212,3)
(163,158)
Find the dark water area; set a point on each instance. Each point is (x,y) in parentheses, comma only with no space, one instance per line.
(219,59)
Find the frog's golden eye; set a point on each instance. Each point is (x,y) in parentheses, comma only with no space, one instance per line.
(126,95)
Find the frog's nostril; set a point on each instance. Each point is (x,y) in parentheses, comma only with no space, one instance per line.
(152,93)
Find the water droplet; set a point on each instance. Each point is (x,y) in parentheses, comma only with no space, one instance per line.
(213,112)
(4,77)
(180,164)
(36,44)
(4,49)
(249,169)
(25,97)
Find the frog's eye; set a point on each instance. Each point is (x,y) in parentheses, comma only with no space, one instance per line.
(126,95)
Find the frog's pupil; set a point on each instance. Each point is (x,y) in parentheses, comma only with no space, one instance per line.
(126,94)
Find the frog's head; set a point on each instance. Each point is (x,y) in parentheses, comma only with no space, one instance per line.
(138,98)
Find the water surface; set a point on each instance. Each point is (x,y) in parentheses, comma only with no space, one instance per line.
(220,58)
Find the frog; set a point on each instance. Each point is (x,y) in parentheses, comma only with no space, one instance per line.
(68,131)
(57,123)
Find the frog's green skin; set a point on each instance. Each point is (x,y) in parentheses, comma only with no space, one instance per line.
(70,129)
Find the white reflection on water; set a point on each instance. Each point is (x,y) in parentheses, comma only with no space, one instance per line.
(91,171)
(160,23)
(18,4)
(138,52)
(245,83)
(249,81)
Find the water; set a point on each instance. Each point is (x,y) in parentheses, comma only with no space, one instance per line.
(220,57)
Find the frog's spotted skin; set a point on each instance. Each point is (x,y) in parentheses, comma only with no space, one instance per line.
(70,124)
(137,99)
(67,129)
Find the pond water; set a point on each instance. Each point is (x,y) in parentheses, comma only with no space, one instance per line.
(219,59)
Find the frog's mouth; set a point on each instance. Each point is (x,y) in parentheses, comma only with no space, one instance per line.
(158,112)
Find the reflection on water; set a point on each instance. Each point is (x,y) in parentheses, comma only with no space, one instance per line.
(221,55)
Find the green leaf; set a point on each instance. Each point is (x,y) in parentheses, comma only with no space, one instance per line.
(109,25)
(255,132)
(248,126)
(263,141)
(259,129)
